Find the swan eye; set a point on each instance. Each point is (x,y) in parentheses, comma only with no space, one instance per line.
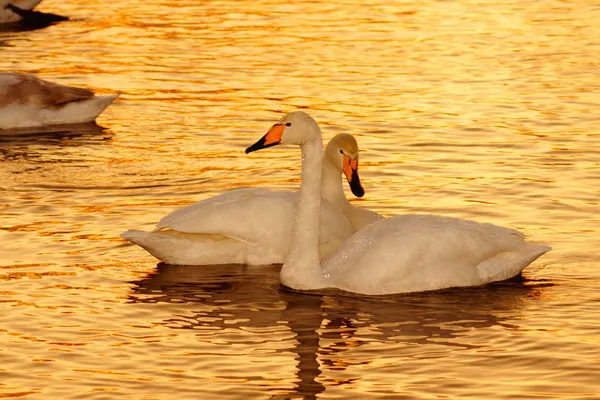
(288,124)
(341,151)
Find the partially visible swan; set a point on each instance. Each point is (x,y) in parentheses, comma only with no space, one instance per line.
(28,101)
(21,11)
(341,155)
(253,226)
(8,16)
(400,254)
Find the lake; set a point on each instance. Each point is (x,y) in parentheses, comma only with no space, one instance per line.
(485,110)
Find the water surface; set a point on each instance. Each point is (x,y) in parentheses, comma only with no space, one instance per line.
(475,109)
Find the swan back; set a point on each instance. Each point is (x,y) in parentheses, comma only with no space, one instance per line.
(29,89)
(27,101)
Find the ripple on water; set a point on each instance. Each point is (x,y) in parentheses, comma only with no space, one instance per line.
(471,109)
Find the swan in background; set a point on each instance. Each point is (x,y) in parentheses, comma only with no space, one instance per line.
(28,101)
(253,225)
(21,11)
(7,15)
(400,254)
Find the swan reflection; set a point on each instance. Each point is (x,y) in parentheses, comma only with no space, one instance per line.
(51,132)
(329,330)
(22,142)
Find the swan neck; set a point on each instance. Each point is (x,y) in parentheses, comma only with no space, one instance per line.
(333,189)
(301,269)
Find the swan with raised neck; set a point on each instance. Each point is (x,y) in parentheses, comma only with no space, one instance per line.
(301,268)
(342,152)
(405,253)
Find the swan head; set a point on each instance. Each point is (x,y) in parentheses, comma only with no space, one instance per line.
(296,127)
(342,151)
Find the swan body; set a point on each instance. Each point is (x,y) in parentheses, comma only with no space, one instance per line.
(401,254)
(409,253)
(27,101)
(253,225)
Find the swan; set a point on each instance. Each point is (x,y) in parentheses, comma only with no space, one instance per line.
(253,225)
(21,11)
(28,101)
(6,6)
(407,253)
(341,155)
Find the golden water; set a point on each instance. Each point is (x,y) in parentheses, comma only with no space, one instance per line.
(486,110)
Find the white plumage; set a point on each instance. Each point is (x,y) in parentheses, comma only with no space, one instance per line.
(410,253)
(253,225)
(406,253)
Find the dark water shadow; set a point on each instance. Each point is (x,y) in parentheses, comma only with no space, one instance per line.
(17,143)
(41,132)
(326,326)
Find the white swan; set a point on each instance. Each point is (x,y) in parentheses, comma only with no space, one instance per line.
(341,155)
(395,255)
(253,226)
(27,101)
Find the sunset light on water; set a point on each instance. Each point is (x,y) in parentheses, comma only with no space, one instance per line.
(481,110)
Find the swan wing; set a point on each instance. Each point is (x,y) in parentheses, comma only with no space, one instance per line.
(253,216)
(243,214)
(244,226)
(183,215)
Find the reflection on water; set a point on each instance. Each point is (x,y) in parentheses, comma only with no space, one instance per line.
(246,299)
(471,109)
(59,135)
(328,332)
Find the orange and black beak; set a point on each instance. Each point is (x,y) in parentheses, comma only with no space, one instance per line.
(272,138)
(350,169)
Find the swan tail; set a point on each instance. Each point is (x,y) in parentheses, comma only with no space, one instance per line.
(179,248)
(98,104)
(143,239)
(134,236)
(509,264)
